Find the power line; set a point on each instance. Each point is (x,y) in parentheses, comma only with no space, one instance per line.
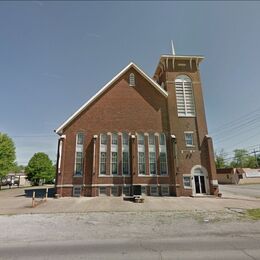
(235,120)
(237,133)
(242,124)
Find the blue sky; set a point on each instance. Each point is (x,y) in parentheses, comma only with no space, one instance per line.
(55,55)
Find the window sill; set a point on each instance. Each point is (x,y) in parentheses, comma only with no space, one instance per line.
(151,176)
(187,188)
(186,116)
(110,175)
(77,176)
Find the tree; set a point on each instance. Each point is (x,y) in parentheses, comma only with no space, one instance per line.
(40,169)
(18,168)
(7,154)
(243,160)
(220,159)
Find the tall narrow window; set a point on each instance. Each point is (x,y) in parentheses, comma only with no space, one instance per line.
(125,151)
(141,154)
(78,170)
(114,139)
(163,163)
(184,96)
(163,155)
(152,163)
(140,139)
(103,160)
(114,154)
(152,154)
(114,162)
(103,154)
(103,139)
(141,163)
(132,80)
(162,139)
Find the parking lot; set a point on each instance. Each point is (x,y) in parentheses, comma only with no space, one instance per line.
(13,201)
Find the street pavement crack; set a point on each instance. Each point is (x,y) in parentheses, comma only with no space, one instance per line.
(244,251)
(151,249)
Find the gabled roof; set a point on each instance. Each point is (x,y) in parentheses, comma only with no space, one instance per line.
(59,130)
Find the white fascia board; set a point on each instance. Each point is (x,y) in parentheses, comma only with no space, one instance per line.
(183,56)
(157,86)
(180,57)
(154,83)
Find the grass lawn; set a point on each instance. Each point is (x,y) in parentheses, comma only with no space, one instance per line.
(254,213)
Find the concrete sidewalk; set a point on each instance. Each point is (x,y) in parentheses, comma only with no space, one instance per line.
(13,202)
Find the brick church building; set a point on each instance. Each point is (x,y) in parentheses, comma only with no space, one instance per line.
(139,130)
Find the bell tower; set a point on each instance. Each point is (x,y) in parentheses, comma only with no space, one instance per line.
(179,75)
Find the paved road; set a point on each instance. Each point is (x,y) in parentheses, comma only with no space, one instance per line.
(250,190)
(176,248)
(129,235)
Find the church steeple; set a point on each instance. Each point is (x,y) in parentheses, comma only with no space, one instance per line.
(173,50)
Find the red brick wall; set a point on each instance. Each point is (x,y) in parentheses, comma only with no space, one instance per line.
(142,108)
(120,109)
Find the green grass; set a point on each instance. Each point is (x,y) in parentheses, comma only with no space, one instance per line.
(254,213)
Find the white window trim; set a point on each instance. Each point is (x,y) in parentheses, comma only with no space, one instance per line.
(181,79)
(102,148)
(141,149)
(111,163)
(189,132)
(163,149)
(76,187)
(79,148)
(114,148)
(132,80)
(152,148)
(187,187)
(150,174)
(125,148)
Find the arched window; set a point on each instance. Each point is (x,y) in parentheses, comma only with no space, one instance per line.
(184,96)
(132,80)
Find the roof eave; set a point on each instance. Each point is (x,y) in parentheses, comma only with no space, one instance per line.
(180,57)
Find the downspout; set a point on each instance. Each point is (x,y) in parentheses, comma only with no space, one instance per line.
(175,161)
(59,166)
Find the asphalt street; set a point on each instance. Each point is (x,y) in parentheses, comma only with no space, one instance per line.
(161,228)
(174,248)
(128,235)
(250,190)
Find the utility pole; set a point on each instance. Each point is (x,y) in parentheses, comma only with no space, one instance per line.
(256,162)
